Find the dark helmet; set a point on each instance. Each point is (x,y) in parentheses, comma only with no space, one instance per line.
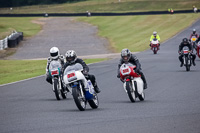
(126,55)
(71,56)
(185,40)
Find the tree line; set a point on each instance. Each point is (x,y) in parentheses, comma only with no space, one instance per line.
(17,3)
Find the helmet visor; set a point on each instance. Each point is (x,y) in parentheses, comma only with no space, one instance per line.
(70,59)
(54,54)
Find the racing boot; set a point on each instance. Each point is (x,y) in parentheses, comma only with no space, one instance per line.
(144,80)
(181,64)
(96,88)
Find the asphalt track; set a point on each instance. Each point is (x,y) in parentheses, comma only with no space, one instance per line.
(172,103)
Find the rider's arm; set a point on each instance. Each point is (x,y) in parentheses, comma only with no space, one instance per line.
(151,38)
(180,47)
(48,62)
(158,37)
(85,67)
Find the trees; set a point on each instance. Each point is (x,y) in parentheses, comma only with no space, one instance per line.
(16,3)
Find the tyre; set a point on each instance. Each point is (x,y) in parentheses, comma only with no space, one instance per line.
(154,50)
(56,89)
(186,64)
(64,96)
(131,93)
(142,96)
(78,99)
(198,52)
(94,103)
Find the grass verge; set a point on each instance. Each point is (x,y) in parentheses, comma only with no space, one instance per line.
(20,24)
(107,6)
(15,70)
(133,32)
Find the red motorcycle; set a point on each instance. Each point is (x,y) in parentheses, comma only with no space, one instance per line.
(155,45)
(198,49)
(133,84)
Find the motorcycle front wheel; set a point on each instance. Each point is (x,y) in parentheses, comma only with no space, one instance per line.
(154,50)
(78,99)
(187,64)
(56,89)
(131,93)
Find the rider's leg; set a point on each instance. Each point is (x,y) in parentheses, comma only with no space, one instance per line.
(181,60)
(144,79)
(93,80)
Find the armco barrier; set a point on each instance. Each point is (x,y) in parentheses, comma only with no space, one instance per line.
(96,14)
(11,41)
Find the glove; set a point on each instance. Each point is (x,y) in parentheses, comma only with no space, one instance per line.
(137,70)
(85,72)
(118,76)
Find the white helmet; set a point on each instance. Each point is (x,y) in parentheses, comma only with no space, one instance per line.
(54,52)
(154,33)
(71,56)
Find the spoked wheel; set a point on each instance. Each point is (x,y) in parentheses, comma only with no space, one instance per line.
(78,99)
(94,103)
(56,89)
(131,93)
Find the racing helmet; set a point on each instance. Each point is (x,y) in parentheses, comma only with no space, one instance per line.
(154,33)
(54,53)
(194,31)
(126,55)
(71,56)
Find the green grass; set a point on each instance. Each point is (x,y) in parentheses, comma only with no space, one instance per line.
(107,6)
(15,70)
(133,32)
(24,24)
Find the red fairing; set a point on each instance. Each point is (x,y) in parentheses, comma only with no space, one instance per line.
(132,73)
(154,45)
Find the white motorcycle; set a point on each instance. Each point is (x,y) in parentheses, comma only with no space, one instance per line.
(133,84)
(55,73)
(81,89)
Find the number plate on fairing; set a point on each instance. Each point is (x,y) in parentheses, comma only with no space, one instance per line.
(71,76)
(125,70)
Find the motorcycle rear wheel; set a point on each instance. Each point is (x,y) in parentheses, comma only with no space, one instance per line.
(131,93)
(94,103)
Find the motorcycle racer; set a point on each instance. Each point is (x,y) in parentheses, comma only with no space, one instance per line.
(71,58)
(155,35)
(185,42)
(126,56)
(54,55)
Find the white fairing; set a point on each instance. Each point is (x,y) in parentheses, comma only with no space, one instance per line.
(154,41)
(76,69)
(198,44)
(140,85)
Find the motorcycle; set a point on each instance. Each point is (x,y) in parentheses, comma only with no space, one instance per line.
(198,49)
(155,45)
(133,84)
(55,72)
(81,89)
(193,43)
(186,58)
